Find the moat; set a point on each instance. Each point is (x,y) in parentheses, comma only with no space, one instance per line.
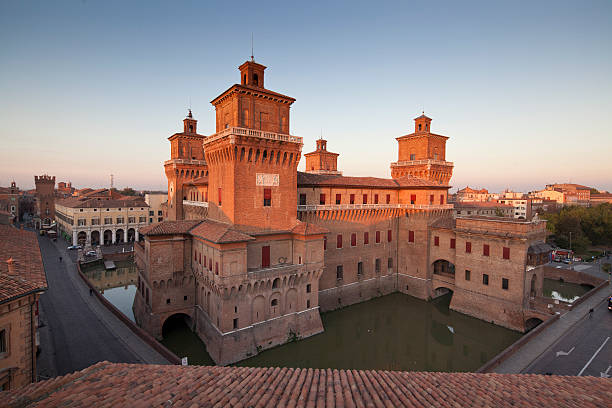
(393,332)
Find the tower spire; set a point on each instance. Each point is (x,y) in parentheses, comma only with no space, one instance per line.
(252,54)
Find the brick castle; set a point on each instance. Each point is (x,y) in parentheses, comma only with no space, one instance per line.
(254,250)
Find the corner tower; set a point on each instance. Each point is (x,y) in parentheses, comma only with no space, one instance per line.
(45,198)
(252,158)
(186,163)
(423,154)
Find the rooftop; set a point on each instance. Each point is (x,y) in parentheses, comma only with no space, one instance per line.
(169,227)
(330,180)
(85,202)
(110,384)
(26,273)
(219,232)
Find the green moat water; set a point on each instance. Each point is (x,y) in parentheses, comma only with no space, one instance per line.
(393,332)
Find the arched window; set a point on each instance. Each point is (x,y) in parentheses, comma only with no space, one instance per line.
(274,302)
(419,127)
(275,283)
(255,79)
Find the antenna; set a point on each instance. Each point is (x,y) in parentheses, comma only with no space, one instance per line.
(252,57)
(111,177)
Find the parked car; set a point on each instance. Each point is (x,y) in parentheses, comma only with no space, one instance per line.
(566,261)
(577,259)
(75,247)
(91,253)
(610,303)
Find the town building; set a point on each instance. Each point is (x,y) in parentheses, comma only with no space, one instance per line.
(471,195)
(101,219)
(484,208)
(600,198)
(45,200)
(64,189)
(155,201)
(521,205)
(565,194)
(22,281)
(254,250)
(9,200)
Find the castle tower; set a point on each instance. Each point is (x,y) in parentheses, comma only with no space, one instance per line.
(45,198)
(186,163)
(423,154)
(321,161)
(252,158)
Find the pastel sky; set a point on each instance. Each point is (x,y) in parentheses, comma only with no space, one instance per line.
(523,89)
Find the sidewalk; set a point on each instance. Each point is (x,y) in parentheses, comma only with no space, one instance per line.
(528,353)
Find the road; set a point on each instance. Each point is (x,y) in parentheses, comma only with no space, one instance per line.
(76,329)
(584,350)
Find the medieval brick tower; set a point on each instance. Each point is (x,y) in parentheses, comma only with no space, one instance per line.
(252,158)
(45,196)
(423,154)
(322,161)
(186,163)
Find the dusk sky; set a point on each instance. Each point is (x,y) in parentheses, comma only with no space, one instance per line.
(523,89)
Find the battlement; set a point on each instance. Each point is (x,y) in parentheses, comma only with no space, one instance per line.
(45,178)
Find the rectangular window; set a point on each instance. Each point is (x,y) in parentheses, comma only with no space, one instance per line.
(339,273)
(412,198)
(235,323)
(205,261)
(119,220)
(375,198)
(359,268)
(365,198)
(142,219)
(151,213)
(339,241)
(322,199)
(390,263)
(468,247)
(195,256)
(308,288)
(389,236)
(216,268)
(485,250)
(108,221)
(504,283)
(265,256)
(325,243)
(441,199)
(159,219)
(82,222)
(338,198)
(353,239)
(467,275)
(132,220)
(437,241)
(3,341)
(219,197)
(210,264)
(366,238)
(485,279)
(410,236)
(95,221)
(431,199)
(352,198)
(453,243)
(267,199)
(377,265)
(378,237)
(302,199)
(160,212)
(412,156)
(506,253)
(388,198)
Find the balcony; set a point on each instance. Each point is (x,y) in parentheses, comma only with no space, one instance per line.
(196,203)
(186,161)
(331,207)
(428,162)
(253,133)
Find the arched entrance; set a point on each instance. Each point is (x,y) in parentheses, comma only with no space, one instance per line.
(81,238)
(444,268)
(131,235)
(531,323)
(119,236)
(441,291)
(95,237)
(108,237)
(176,323)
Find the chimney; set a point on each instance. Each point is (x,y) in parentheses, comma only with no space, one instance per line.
(11,266)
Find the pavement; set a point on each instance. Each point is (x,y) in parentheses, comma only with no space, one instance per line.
(573,329)
(76,329)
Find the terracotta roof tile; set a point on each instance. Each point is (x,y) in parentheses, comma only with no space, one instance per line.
(481,204)
(219,232)
(169,227)
(306,228)
(84,202)
(109,384)
(27,272)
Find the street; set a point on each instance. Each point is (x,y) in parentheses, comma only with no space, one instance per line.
(584,350)
(76,329)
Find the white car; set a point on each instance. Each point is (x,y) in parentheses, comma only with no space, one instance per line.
(91,253)
(75,247)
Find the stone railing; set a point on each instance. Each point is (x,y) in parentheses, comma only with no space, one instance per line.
(374,207)
(253,133)
(425,161)
(196,203)
(186,161)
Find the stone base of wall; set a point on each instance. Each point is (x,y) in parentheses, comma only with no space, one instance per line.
(413,286)
(498,311)
(341,296)
(228,348)
(151,323)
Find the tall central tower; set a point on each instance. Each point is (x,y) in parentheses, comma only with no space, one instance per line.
(252,158)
